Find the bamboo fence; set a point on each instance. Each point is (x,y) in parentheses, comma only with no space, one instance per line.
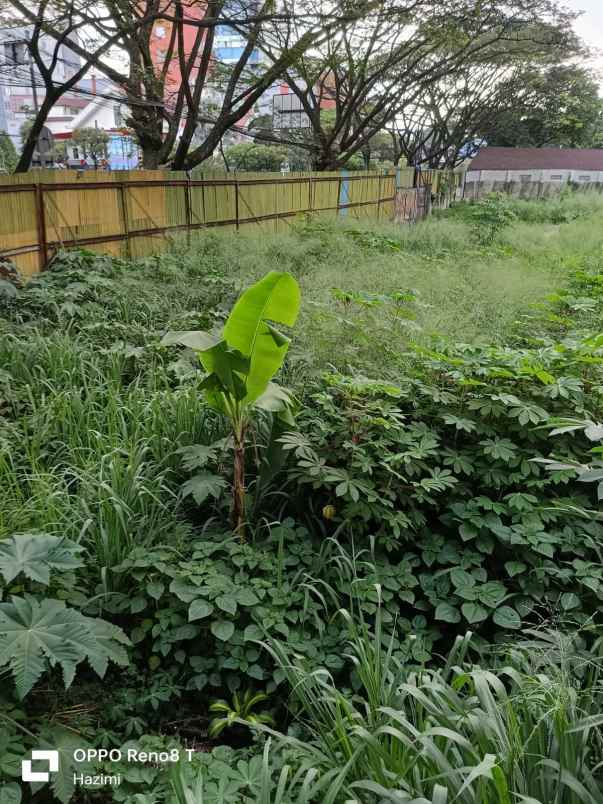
(135,213)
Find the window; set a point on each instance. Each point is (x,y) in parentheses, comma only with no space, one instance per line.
(526,178)
(287,112)
(76,153)
(118,117)
(557,177)
(584,178)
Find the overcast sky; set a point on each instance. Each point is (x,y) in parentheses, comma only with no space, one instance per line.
(590,26)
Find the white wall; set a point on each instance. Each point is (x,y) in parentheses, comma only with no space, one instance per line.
(553,176)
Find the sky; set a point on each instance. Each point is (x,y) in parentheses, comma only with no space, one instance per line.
(590,26)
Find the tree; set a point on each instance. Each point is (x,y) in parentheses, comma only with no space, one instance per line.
(8,153)
(254,157)
(440,129)
(93,142)
(358,82)
(297,153)
(556,106)
(168,114)
(64,27)
(240,364)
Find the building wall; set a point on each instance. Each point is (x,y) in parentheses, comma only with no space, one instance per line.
(527,183)
(15,66)
(160,40)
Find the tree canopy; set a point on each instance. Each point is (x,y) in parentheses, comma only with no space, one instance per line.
(557,106)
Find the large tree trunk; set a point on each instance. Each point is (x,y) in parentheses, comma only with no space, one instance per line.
(327,160)
(30,144)
(150,138)
(151,158)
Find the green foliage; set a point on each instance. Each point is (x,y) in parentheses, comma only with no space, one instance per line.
(241,709)
(35,554)
(439,472)
(38,633)
(490,216)
(255,157)
(93,142)
(8,153)
(417,492)
(528,728)
(239,366)
(557,106)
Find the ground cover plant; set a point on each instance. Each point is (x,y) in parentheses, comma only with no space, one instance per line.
(180,532)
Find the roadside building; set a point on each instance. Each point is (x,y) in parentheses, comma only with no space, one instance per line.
(533,172)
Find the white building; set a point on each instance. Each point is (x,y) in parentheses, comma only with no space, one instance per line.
(532,170)
(23,87)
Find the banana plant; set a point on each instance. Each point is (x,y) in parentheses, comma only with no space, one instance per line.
(240,363)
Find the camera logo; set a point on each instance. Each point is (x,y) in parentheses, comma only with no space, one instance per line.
(52,757)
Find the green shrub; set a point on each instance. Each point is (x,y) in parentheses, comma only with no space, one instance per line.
(439,472)
(490,216)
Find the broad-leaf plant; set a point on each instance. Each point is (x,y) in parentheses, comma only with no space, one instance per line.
(240,363)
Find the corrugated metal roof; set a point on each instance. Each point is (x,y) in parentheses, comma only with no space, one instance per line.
(492,158)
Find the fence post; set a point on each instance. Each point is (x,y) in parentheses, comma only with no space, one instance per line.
(188,209)
(124,217)
(41,222)
(379,198)
(236,185)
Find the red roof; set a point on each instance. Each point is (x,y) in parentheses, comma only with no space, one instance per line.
(492,158)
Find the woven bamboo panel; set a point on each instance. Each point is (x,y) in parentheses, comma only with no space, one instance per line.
(75,215)
(18,227)
(136,213)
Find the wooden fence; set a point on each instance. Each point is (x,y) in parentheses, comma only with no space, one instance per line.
(134,213)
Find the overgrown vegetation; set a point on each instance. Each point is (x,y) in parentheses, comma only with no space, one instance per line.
(426,495)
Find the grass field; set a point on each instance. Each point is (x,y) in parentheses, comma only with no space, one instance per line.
(463,291)
(405,515)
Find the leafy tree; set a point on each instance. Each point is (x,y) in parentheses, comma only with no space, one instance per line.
(93,142)
(168,101)
(24,130)
(355,84)
(557,106)
(255,157)
(53,26)
(8,152)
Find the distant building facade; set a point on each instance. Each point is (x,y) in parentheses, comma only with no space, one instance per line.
(532,172)
(106,113)
(23,85)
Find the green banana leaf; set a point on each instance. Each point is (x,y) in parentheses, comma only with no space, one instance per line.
(276,298)
(251,350)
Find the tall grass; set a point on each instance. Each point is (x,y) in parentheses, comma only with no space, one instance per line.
(528,730)
(464,291)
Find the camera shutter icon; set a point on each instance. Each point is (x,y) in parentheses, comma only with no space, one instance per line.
(52,757)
